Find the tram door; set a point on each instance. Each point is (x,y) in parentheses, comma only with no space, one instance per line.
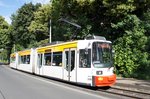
(40,67)
(69,60)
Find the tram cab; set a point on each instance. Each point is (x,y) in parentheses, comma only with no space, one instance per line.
(95,62)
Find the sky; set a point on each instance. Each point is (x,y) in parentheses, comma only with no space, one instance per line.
(8,7)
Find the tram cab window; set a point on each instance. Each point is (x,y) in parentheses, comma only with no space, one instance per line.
(57,59)
(102,55)
(47,59)
(85,58)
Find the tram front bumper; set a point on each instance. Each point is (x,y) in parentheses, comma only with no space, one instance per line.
(100,81)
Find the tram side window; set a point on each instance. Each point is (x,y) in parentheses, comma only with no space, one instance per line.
(25,59)
(28,59)
(57,59)
(47,57)
(85,58)
(22,59)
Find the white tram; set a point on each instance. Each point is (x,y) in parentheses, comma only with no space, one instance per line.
(86,61)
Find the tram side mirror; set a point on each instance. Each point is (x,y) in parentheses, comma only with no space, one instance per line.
(113,53)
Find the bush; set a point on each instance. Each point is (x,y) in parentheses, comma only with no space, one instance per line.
(131,58)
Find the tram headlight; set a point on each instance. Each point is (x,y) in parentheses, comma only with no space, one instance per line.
(99,72)
(100,78)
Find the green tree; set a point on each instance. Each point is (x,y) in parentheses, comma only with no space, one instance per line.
(96,14)
(5,40)
(40,25)
(130,48)
(73,12)
(4,26)
(145,17)
(21,21)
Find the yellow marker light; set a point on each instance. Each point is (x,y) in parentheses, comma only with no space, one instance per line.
(100,78)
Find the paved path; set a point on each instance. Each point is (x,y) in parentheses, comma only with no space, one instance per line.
(129,82)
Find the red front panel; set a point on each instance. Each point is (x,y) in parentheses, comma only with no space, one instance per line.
(104,80)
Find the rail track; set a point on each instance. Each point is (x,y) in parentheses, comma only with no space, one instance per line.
(137,94)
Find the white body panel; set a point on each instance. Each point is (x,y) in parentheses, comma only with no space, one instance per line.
(13,65)
(53,71)
(25,67)
(84,75)
(36,61)
(32,60)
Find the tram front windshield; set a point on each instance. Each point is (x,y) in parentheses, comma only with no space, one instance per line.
(102,54)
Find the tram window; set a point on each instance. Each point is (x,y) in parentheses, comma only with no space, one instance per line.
(12,59)
(25,59)
(28,59)
(85,58)
(47,57)
(57,59)
(72,60)
(66,60)
(22,59)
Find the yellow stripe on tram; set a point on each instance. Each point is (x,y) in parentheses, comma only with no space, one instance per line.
(25,52)
(57,47)
(13,55)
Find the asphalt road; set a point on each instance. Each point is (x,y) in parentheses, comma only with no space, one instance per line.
(18,85)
